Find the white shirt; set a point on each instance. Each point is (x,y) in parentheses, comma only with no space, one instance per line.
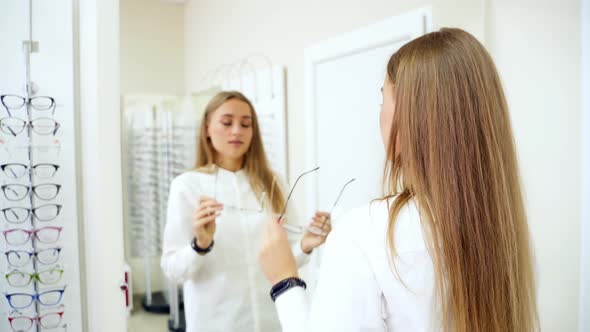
(357,289)
(225,289)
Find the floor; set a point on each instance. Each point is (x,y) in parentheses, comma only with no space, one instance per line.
(142,321)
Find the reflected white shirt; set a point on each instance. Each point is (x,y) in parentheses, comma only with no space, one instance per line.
(225,289)
(357,289)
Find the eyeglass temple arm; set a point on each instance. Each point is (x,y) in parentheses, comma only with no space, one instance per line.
(293,188)
(337,199)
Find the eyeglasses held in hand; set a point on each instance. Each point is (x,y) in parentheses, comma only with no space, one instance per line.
(39,103)
(24,300)
(336,201)
(50,276)
(293,188)
(20,258)
(17,192)
(49,320)
(300,229)
(16,170)
(19,236)
(42,126)
(18,215)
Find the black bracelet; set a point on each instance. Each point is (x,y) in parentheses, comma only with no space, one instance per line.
(201,250)
(284,285)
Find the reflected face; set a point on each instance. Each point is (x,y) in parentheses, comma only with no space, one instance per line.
(387,111)
(230,129)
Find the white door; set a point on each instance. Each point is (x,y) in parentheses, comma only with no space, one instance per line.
(343,78)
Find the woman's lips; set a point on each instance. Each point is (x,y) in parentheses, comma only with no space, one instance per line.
(236,143)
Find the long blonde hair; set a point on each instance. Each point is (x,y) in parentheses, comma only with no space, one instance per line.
(456,159)
(255,164)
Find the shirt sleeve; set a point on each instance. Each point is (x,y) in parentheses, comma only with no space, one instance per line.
(179,261)
(347,296)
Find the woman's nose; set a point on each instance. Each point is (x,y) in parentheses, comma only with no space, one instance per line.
(237,130)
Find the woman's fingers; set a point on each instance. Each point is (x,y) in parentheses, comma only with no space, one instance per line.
(205,220)
(315,227)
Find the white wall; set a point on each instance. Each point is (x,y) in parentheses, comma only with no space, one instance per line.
(152,47)
(536,46)
(152,63)
(585,238)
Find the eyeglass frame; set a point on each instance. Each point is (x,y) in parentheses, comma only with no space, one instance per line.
(240,209)
(31,232)
(31,254)
(35,297)
(33,211)
(27,123)
(37,320)
(35,275)
(4,187)
(26,101)
(30,169)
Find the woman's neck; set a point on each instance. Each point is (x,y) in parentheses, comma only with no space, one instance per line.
(232,165)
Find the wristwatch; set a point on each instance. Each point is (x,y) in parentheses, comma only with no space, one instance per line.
(284,285)
(201,250)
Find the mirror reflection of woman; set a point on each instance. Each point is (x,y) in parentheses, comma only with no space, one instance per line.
(448,248)
(215,221)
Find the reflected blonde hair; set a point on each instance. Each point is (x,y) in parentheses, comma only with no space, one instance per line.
(255,164)
(456,159)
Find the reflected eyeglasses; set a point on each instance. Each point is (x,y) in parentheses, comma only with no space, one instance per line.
(25,300)
(20,258)
(16,170)
(18,215)
(237,209)
(17,192)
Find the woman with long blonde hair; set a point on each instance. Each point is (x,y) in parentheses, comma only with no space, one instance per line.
(215,219)
(448,246)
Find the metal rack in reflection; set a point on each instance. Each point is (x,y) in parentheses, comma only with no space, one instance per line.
(158,150)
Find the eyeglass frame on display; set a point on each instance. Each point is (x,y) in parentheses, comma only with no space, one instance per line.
(31,254)
(29,188)
(29,124)
(26,101)
(33,211)
(29,169)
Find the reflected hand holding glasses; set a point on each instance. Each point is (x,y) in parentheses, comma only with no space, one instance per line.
(204,220)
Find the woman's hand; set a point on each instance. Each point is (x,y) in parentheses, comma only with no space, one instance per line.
(276,259)
(317,232)
(204,220)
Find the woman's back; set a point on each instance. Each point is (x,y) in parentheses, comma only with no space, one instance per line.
(384,299)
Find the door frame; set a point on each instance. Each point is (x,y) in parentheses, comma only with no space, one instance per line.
(584,310)
(96,32)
